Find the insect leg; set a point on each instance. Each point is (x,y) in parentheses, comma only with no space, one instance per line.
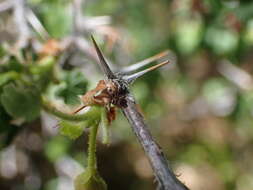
(79,109)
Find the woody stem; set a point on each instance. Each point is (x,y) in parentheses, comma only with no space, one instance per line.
(165,177)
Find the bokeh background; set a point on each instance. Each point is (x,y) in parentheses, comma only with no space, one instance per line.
(199,108)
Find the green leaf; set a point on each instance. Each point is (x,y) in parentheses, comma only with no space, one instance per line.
(244,12)
(74,84)
(89,181)
(2,51)
(43,72)
(14,64)
(57,19)
(21,102)
(43,66)
(6,77)
(72,130)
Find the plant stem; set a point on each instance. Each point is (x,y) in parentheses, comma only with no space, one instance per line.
(104,126)
(92,149)
(92,114)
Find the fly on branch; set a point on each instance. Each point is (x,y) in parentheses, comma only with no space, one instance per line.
(111,92)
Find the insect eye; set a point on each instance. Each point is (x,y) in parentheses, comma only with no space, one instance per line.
(110,90)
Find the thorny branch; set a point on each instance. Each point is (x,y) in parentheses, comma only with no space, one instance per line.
(165,177)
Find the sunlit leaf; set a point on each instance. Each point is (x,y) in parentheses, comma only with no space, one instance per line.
(43,66)
(57,19)
(14,64)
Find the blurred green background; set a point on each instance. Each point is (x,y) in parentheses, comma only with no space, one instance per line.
(199,108)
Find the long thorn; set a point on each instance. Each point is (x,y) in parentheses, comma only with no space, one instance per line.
(144,62)
(131,78)
(103,64)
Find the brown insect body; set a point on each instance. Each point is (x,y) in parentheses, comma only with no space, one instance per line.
(104,94)
(111,93)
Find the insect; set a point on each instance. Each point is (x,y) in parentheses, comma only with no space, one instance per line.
(110,93)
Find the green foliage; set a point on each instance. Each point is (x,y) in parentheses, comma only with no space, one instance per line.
(183,104)
(74,84)
(42,72)
(72,130)
(245,11)
(89,181)
(43,66)
(56,19)
(21,102)
(14,64)
(8,76)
